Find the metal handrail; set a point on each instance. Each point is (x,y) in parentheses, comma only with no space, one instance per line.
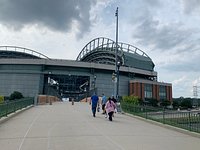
(12,106)
(189,120)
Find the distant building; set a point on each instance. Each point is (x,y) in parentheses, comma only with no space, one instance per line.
(33,73)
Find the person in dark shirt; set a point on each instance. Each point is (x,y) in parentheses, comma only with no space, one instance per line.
(94,103)
(103,102)
(113,99)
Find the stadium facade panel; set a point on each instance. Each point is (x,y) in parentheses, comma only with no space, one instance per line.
(33,73)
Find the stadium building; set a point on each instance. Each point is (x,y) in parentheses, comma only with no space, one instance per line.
(33,73)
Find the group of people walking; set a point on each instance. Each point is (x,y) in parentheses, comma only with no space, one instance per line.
(108,105)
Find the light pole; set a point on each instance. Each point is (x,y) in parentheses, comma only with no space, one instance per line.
(116,44)
(95,77)
(85,90)
(116,54)
(117,92)
(48,88)
(48,82)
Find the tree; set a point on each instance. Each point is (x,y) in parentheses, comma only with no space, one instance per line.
(175,104)
(16,95)
(152,101)
(186,103)
(165,103)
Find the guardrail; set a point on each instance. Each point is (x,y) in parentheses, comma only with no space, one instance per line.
(189,120)
(10,107)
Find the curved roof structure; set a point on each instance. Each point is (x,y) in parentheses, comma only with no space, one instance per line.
(102,50)
(19,52)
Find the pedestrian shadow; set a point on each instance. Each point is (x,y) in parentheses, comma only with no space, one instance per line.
(101,118)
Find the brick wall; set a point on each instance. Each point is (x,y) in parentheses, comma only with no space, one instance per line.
(137,89)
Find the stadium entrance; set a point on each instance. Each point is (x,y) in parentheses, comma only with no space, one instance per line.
(67,86)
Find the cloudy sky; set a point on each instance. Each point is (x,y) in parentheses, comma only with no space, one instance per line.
(167,30)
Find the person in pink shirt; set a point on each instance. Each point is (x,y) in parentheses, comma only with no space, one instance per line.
(110,108)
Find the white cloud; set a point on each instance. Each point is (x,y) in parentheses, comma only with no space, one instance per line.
(196,82)
(183,86)
(191,6)
(179,81)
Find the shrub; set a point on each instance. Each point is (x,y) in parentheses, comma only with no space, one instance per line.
(16,95)
(131,100)
(152,101)
(165,103)
(175,104)
(1,99)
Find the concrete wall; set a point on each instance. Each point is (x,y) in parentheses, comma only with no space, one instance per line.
(25,78)
(27,84)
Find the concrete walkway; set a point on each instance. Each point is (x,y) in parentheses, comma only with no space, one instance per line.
(62,126)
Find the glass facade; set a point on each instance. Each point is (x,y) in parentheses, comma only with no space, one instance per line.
(162,92)
(148,90)
(67,85)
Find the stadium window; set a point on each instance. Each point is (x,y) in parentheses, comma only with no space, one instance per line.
(162,92)
(148,88)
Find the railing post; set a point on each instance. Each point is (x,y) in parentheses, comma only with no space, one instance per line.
(21,104)
(190,125)
(6,109)
(163,115)
(14,106)
(145,109)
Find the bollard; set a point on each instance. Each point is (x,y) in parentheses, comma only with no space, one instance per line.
(50,101)
(72,101)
